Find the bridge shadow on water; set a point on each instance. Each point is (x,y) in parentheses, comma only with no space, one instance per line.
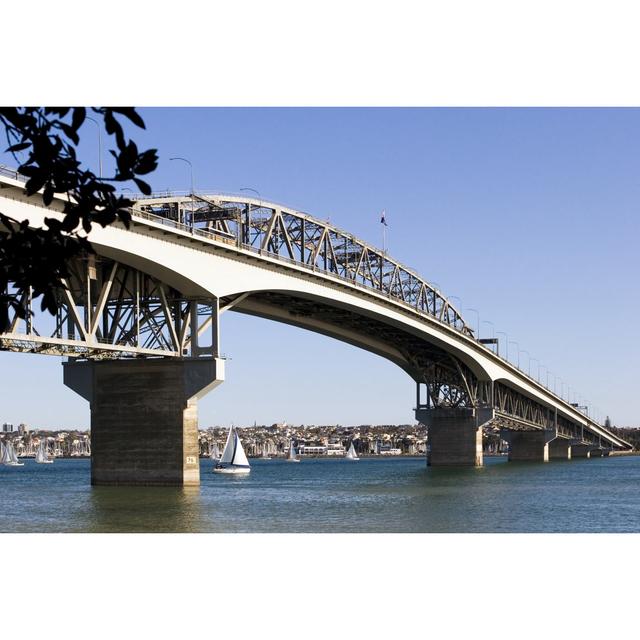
(143,510)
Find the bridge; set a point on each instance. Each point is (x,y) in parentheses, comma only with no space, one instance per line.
(139,323)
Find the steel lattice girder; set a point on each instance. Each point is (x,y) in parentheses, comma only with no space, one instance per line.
(110,310)
(312,243)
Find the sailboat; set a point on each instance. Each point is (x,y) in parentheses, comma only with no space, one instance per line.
(351,454)
(265,453)
(9,456)
(234,459)
(293,456)
(215,452)
(41,454)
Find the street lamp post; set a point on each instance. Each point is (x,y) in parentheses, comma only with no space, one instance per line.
(555,383)
(528,360)
(517,350)
(478,320)
(538,363)
(493,328)
(248,213)
(254,191)
(450,298)
(99,142)
(193,202)
(506,340)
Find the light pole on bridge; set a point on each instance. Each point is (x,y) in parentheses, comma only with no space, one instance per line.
(518,351)
(528,360)
(493,335)
(506,340)
(193,193)
(478,320)
(493,328)
(457,298)
(99,143)
(248,215)
(254,191)
(538,363)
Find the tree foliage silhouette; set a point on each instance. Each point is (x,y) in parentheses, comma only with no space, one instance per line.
(36,259)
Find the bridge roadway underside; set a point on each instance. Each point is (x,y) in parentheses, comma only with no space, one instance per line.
(409,351)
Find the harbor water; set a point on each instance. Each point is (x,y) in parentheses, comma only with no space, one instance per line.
(329,495)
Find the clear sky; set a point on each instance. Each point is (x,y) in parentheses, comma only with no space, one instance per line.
(529,216)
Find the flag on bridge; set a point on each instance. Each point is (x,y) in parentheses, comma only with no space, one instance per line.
(382,219)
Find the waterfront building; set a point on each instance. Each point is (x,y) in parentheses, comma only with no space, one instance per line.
(336,449)
(7,427)
(312,450)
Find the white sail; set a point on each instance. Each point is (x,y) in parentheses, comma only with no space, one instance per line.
(239,456)
(12,454)
(351,454)
(42,456)
(292,452)
(227,452)
(4,454)
(215,453)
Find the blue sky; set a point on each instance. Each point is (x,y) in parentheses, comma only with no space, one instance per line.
(527,215)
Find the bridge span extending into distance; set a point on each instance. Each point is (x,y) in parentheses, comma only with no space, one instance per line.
(139,323)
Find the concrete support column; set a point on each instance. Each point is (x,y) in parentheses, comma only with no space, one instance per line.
(559,449)
(454,436)
(528,446)
(144,417)
(580,451)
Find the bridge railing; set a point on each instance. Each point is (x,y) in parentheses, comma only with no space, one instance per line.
(12,173)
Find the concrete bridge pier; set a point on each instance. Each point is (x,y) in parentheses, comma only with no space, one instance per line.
(454,435)
(144,417)
(559,449)
(528,446)
(580,451)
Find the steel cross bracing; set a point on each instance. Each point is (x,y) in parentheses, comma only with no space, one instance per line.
(110,310)
(308,242)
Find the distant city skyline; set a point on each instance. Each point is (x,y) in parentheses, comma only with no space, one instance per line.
(525,218)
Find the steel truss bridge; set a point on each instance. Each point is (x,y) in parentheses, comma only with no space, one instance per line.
(158,289)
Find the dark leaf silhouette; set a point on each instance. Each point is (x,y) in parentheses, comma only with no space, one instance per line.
(36,259)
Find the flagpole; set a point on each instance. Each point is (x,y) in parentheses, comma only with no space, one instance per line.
(384,231)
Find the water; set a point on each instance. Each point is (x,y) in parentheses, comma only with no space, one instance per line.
(320,495)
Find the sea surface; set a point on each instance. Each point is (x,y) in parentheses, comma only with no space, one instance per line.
(323,495)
